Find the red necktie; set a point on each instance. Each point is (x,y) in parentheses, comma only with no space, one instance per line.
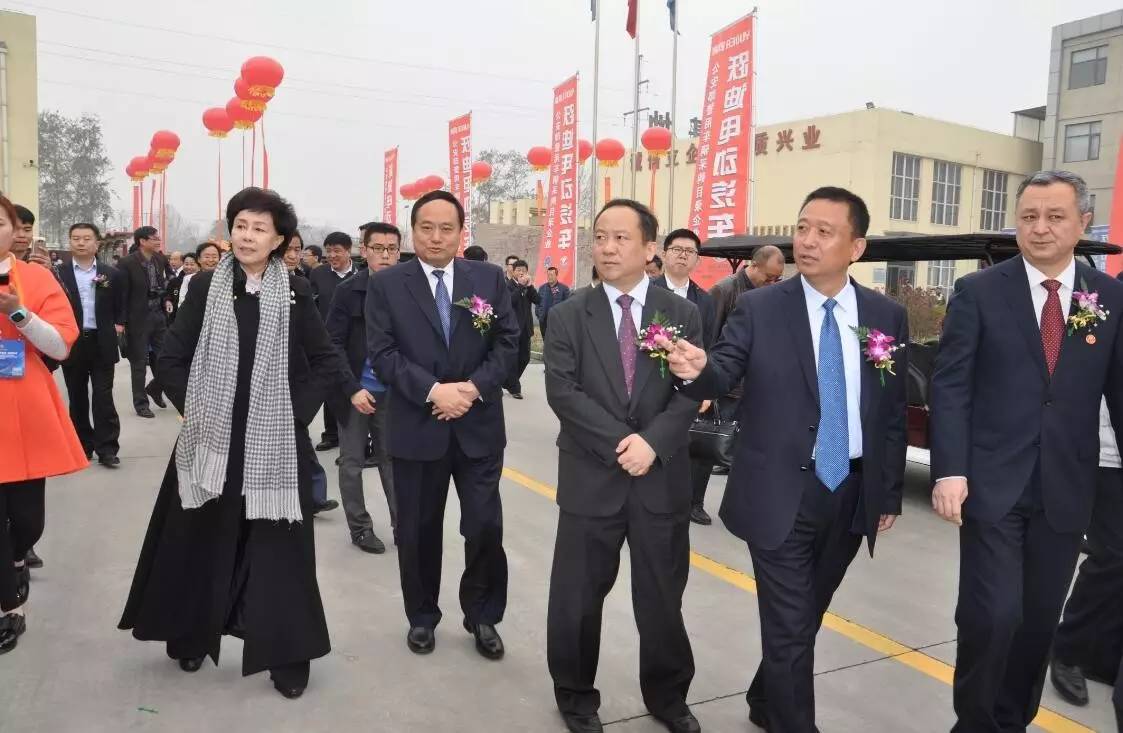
(627,335)
(1052,325)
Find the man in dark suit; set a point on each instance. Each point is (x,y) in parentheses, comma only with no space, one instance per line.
(550,293)
(623,473)
(1015,402)
(445,368)
(97,293)
(337,249)
(820,458)
(680,257)
(146,273)
(523,299)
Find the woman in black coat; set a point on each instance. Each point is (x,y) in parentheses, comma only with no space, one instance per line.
(230,547)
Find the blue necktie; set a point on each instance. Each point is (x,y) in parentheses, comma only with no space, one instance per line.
(444,304)
(832,444)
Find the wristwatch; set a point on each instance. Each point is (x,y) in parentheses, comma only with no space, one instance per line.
(18,316)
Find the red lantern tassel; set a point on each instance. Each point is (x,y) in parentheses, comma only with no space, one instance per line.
(152,204)
(264,158)
(541,197)
(163,211)
(219,218)
(253,158)
(607,189)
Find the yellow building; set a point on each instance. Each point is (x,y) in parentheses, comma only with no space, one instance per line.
(19,110)
(917,175)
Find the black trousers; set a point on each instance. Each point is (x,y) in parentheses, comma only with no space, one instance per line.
(144,346)
(331,425)
(1013,578)
(795,584)
(700,470)
(1117,698)
(87,374)
(586,561)
(421,490)
(1091,632)
(22,516)
(514,382)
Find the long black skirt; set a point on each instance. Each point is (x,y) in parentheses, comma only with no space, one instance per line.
(209,571)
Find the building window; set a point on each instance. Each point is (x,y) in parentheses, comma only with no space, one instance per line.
(945,193)
(941,276)
(904,196)
(898,276)
(1092,221)
(993,218)
(1088,68)
(1082,142)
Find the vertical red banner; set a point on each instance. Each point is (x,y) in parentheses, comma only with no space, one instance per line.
(720,205)
(390,187)
(460,171)
(1115,224)
(559,238)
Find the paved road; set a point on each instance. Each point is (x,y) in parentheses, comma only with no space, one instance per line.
(74,671)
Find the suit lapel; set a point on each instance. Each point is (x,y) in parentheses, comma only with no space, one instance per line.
(799,328)
(418,286)
(71,284)
(870,382)
(1070,343)
(462,287)
(1020,302)
(645,365)
(605,343)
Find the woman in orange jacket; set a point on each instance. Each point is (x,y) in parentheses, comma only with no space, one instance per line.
(37,439)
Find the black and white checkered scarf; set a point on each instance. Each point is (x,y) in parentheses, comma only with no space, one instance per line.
(270,473)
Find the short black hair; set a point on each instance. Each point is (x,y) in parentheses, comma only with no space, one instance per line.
(859,212)
(264,201)
(380,227)
(510,260)
(338,239)
(551,269)
(143,233)
(24,214)
(316,251)
(85,225)
(522,263)
(190,256)
(648,223)
(475,252)
(439,195)
(682,234)
(657,260)
(203,248)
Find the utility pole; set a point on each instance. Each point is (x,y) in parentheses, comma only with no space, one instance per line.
(636,109)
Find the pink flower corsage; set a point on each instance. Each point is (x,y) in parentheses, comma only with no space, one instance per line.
(879,349)
(647,340)
(481,311)
(1087,314)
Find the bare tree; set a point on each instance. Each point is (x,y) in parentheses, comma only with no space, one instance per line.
(73,173)
(510,180)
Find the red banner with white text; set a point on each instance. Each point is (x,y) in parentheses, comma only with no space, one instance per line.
(460,171)
(720,205)
(559,238)
(390,187)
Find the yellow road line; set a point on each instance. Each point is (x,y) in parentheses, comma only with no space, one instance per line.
(1046,719)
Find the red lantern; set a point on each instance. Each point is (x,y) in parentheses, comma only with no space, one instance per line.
(248,100)
(263,75)
(433,183)
(610,152)
(584,150)
(217,122)
(164,144)
(657,140)
(408,191)
(138,168)
(242,118)
(481,171)
(159,165)
(539,158)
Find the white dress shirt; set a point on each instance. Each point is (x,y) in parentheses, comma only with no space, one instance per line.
(683,291)
(428,270)
(846,315)
(85,280)
(345,273)
(1039,293)
(183,288)
(639,298)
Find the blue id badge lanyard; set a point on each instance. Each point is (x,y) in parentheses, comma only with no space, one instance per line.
(12,358)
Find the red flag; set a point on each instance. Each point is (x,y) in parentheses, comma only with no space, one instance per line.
(1115,227)
(632,9)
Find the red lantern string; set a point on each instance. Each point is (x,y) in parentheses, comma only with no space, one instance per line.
(152,204)
(219,142)
(163,210)
(253,157)
(243,161)
(264,158)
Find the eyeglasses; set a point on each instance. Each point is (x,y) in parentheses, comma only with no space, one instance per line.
(683,251)
(382,250)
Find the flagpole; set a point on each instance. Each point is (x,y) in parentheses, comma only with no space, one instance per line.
(674,117)
(635,113)
(596,97)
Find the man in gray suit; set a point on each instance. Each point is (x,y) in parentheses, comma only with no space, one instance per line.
(623,473)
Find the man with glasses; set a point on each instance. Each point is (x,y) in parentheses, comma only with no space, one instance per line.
(346,322)
(680,257)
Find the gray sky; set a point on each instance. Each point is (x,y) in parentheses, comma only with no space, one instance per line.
(365,76)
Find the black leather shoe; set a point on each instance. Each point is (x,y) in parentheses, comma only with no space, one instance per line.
(582,723)
(23,583)
(686,724)
(290,693)
(156,396)
(421,640)
(109,460)
(1069,682)
(757,718)
(488,642)
(327,444)
(517,395)
(368,542)
(12,626)
(32,560)
(698,515)
(191,664)
(720,471)
(327,506)
(145,411)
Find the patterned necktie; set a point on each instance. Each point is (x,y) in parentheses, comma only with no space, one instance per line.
(832,443)
(627,337)
(1052,325)
(444,304)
